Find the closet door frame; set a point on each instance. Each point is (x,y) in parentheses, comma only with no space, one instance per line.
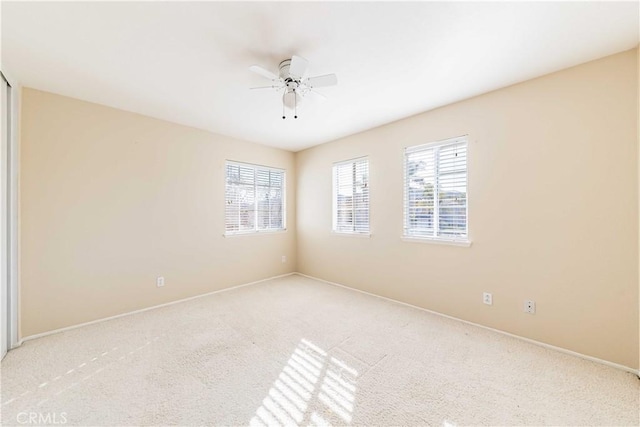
(9,182)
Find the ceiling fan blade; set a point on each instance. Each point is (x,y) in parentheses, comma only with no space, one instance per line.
(322,81)
(298,67)
(318,94)
(266,87)
(263,72)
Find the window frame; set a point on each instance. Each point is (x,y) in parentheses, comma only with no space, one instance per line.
(334,198)
(455,240)
(283,189)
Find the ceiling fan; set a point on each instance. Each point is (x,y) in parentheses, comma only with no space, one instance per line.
(293,82)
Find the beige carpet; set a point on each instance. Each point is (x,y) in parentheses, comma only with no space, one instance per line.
(297,351)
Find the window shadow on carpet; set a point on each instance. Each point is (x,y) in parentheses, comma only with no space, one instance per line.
(313,388)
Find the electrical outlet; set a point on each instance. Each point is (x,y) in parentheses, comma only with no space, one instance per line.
(530,307)
(284,259)
(487,298)
(160,282)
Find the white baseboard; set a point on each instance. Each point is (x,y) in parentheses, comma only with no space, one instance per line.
(529,340)
(539,343)
(80,325)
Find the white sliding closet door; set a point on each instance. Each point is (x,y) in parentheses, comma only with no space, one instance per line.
(5,112)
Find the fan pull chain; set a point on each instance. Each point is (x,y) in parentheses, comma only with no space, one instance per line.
(283,116)
(295,105)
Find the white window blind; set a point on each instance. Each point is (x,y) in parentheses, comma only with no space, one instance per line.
(351,196)
(435,190)
(254,198)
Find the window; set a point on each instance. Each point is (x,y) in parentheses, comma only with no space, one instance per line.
(254,198)
(351,196)
(435,191)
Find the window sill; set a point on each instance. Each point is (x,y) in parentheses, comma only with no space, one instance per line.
(351,234)
(254,233)
(413,239)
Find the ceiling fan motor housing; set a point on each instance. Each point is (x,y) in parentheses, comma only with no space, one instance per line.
(284,69)
(291,84)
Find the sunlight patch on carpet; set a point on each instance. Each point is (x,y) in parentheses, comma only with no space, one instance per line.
(310,384)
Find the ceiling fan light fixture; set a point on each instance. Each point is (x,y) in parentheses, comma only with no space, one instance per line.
(290,98)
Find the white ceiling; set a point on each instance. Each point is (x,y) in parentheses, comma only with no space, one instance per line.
(187,62)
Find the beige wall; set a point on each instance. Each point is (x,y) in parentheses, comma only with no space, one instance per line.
(553,205)
(110,200)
